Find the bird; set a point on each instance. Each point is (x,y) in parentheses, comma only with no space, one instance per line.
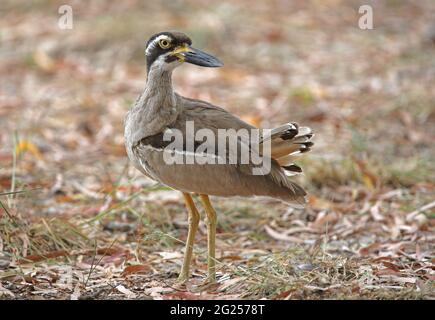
(159,111)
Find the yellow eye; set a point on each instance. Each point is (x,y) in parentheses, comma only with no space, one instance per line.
(164,44)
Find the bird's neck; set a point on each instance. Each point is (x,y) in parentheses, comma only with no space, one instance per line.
(158,91)
(156,108)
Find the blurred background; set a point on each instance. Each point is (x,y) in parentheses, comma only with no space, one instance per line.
(369,95)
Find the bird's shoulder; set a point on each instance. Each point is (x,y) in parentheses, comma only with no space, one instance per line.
(207,115)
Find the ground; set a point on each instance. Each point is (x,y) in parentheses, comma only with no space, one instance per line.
(89,226)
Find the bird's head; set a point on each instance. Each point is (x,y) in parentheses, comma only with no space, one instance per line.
(167,50)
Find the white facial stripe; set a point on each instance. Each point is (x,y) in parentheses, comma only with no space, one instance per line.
(155,42)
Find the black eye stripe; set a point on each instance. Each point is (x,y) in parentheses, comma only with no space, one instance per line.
(153,54)
(170,59)
(175,39)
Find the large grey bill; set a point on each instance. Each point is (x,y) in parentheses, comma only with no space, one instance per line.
(201,58)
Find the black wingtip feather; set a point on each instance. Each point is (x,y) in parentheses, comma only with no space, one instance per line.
(293,168)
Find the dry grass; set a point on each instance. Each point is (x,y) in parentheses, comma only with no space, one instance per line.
(90,227)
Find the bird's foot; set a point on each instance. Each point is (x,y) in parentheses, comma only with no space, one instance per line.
(208,282)
(182,280)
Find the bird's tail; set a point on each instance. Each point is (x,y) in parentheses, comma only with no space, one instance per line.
(287,142)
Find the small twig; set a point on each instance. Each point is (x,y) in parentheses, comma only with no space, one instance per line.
(56,240)
(98,262)
(7,212)
(412,214)
(120,204)
(14,169)
(18,192)
(91,194)
(92,264)
(108,210)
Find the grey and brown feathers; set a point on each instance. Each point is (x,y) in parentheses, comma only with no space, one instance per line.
(289,141)
(159,108)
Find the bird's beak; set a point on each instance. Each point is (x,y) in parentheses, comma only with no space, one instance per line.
(196,56)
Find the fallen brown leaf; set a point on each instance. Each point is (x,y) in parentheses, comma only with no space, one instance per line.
(138,268)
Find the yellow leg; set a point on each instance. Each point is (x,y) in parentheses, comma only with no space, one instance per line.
(193,227)
(211,237)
